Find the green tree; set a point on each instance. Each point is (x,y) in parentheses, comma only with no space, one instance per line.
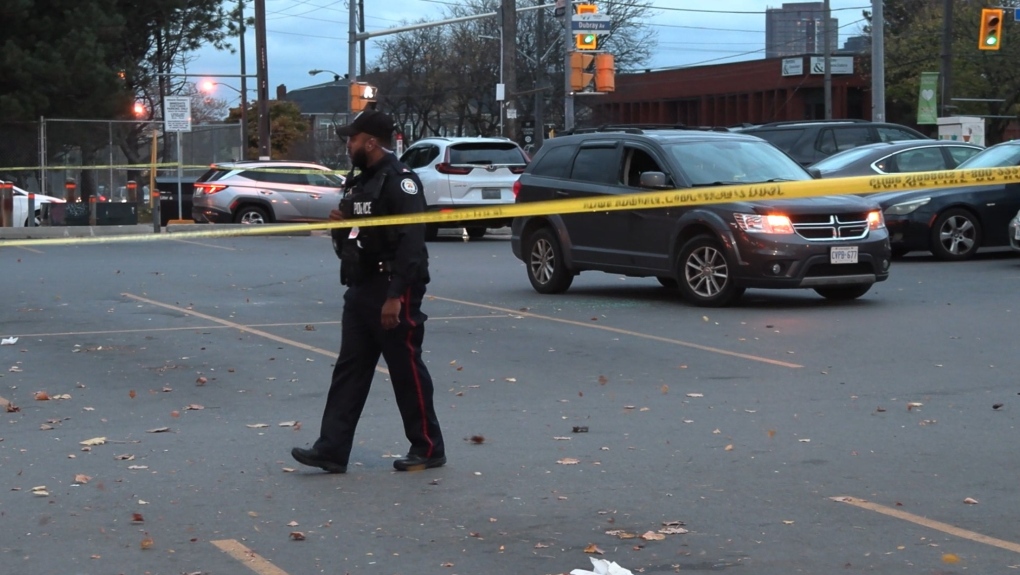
(288,129)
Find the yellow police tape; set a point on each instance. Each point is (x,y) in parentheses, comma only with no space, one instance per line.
(638,201)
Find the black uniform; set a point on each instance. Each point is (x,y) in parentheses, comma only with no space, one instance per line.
(377,263)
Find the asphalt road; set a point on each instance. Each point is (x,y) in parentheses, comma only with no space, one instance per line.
(202,363)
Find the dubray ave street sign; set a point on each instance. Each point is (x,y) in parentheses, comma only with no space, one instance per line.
(591,23)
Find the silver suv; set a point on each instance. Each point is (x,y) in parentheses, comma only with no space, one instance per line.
(259,192)
(466,173)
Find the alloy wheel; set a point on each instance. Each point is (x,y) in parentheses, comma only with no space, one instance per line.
(706,271)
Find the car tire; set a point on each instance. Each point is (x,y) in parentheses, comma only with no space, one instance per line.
(843,293)
(956,235)
(705,275)
(547,270)
(251,215)
(431,232)
(476,233)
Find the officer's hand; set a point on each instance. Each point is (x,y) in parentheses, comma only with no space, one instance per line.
(391,313)
(336,215)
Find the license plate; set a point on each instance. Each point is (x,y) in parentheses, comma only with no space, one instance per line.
(490,193)
(843,255)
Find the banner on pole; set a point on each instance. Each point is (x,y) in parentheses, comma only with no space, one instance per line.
(927,100)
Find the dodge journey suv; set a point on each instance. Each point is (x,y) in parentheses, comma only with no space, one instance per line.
(836,245)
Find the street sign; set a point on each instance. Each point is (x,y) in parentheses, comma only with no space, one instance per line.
(511,113)
(591,23)
(178,113)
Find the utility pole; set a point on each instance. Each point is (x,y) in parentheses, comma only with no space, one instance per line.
(361,28)
(827,55)
(262,72)
(352,54)
(244,84)
(539,77)
(508,32)
(568,91)
(878,60)
(947,56)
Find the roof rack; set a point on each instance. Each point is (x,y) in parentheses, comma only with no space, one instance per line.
(639,128)
(832,121)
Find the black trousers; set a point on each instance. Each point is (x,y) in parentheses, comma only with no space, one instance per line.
(362,342)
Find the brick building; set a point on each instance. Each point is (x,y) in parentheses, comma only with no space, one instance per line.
(754,92)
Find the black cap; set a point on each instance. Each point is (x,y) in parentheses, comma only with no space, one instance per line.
(371,122)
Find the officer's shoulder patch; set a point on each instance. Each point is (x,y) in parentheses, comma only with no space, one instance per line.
(408,185)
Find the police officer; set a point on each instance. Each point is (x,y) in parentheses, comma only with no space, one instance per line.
(385,269)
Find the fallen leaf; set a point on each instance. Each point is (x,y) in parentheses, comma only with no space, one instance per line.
(82,478)
(970,501)
(93,441)
(695,395)
(131,394)
(287,423)
(950,558)
(568,461)
(45,427)
(673,530)
(559,438)
(297,536)
(772,433)
(913,404)
(787,522)
(603,380)
(996,405)
(8,407)
(201,380)
(880,410)
(653,536)
(477,439)
(309,327)
(257,425)
(138,467)
(729,447)
(175,414)
(124,457)
(194,407)
(289,470)
(511,379)
(804,440)
(594,549)
(158,430)
(137,518)
(62,396)
(446,564)
(665,389)
(541,546)
(292,524)
(40,493)
(41,396)
(147,543)
(580,429)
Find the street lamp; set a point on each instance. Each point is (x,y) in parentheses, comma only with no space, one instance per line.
(210,86)
(336,77)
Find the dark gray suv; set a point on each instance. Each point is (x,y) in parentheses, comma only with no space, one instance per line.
(836,245)
(812,141)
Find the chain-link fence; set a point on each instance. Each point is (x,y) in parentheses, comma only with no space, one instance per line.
(97,158)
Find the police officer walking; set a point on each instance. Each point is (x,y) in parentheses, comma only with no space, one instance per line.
(385,269)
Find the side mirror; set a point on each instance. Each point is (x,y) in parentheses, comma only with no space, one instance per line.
(815,173)
(653,180)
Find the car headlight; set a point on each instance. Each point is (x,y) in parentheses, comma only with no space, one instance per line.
(876,221)
(906,207)
(767,224)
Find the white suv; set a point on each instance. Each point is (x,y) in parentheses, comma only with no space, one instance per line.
(466,173)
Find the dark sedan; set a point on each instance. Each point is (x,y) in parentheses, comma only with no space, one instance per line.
(953,223)
(896,157)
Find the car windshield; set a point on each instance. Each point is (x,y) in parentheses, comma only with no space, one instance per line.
(842,159)
(486,154)
(713,162)
(1000,156)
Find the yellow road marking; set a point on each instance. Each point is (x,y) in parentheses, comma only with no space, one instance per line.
(930,523)
(26,248)
(247,557)
(628,332)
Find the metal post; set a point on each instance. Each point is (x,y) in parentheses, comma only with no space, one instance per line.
(244,86)
(6,204)
(352,54)
(180,176)
(109,191)
(42,154)
(30,217)
(947,56)
(502,55)
(827,54)
(539,78)
(568,94)
(154,194)
(92,210)
(878,60)
(262,71)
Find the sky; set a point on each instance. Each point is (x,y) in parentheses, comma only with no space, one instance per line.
(312,34)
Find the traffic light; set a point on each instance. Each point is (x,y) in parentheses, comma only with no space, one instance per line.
(990,37)
(605,73)
(362,96)
(587,40)
(582,70)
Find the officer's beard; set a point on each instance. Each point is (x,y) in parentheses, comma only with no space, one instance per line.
(359,159)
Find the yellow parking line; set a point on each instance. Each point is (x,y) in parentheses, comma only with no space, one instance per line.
(28,249)
(247,557)
(628,332)
(206,245)
(930,523)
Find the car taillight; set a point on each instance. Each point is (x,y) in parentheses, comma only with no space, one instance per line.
(209,189)
(517,169)
(517,188)
(445,168)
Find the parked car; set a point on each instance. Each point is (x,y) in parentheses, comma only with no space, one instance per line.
(895,157)
(258,192)
(466,173)
(953,223)
(1014,232)
(20,216)
(808,142)
(836,245)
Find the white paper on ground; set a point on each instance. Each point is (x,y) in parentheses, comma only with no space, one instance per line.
(8,341)
(602,567)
